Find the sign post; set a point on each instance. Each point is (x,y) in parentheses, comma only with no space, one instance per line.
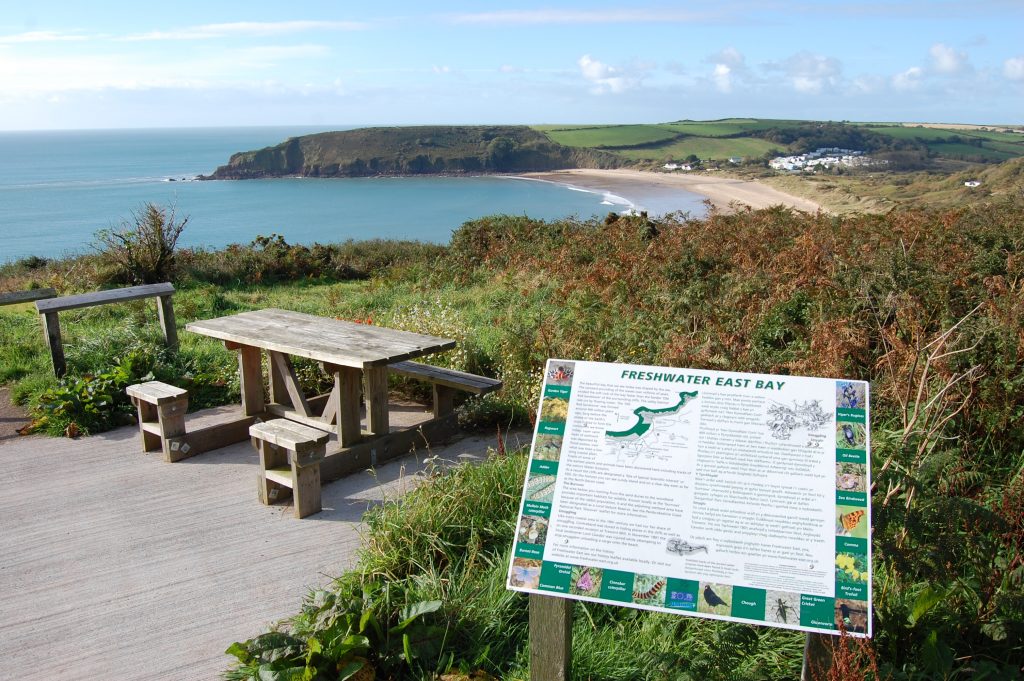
(731,496)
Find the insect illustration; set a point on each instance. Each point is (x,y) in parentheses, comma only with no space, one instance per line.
(850,520)
(782,609)
(650,593)
(849,435)
(713,599)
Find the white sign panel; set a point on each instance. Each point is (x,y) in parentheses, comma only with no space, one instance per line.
(733,496)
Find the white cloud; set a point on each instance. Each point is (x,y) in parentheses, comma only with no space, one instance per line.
(246,28)
(909,79)
(810,73)
(441,69)
(731,57)
(41,37)
(602,16)
(722,76)
(508,68)
(1013,68)
(946,60)
(605,78)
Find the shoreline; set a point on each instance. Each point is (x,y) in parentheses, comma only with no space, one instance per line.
(721,191)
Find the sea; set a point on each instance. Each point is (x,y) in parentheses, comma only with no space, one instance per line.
(58,188)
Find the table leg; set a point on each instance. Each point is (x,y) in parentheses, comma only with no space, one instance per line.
(377,400)
(347,383)
(250,376)
(278,391)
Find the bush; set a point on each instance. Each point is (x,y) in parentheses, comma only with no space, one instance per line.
(142,249)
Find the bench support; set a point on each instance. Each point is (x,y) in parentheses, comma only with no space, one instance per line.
(51,329)
(161,410)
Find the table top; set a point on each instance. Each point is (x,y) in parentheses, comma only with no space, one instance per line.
(320,338)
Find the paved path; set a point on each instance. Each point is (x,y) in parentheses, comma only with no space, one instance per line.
(116,565)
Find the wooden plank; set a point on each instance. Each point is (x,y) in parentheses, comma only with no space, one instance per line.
(282,475)
(323,339)
(306,490)
(51,330)
(278,392)
(293,436)
(118,295)
(376,397)
(156,392)
(447,377)
(250,376)
(342,461)
(348,382)
(550,638)
(165,311)
(286,372)
(285,412)
(16,297)
(208,438)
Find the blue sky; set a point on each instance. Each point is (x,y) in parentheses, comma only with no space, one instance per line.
(70,65)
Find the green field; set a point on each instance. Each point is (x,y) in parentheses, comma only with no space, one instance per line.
(610,136)
(745,137)
(705,148)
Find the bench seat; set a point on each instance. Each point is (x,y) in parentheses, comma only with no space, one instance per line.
(290,456)
(445,382)
(161,412)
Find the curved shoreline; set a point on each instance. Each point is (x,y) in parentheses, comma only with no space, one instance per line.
(722,191)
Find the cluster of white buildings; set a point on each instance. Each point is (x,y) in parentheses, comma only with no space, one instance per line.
(825,157)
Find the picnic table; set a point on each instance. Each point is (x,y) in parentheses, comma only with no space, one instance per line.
(349,352)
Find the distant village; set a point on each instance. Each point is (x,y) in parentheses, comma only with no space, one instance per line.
(824,157)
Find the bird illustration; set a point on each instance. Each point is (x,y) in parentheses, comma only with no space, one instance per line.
(713,599)
(848,434)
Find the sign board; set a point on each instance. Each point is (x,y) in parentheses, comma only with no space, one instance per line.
(732,496)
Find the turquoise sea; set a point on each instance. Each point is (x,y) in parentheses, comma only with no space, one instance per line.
(57,188)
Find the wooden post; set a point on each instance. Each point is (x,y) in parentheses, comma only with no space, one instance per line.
(250,377)
(444,400)
(51,329)
(550,638)
(377,400)
(347,383)
(165,311)
(817,657)
(278,391)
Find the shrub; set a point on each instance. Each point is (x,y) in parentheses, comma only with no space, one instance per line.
(142,250)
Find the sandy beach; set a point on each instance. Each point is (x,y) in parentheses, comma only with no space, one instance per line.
(721,191)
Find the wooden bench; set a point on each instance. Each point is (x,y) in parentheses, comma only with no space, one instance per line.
(26,296)
(446,382)
(49,308)
(161,409)
(290,456)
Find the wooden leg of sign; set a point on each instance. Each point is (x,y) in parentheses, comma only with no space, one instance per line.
(817,657)
(550,638)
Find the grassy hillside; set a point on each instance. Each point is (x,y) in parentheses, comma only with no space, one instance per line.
(925,304)
(754,138)
(411,151)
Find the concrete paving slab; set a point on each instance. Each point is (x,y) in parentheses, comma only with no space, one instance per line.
(117,565)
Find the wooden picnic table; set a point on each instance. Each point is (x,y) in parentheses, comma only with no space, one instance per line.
(348,351)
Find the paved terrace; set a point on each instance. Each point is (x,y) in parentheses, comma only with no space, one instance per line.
(116,565)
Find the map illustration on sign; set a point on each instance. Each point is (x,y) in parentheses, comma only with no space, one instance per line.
(655,432)
(741,497)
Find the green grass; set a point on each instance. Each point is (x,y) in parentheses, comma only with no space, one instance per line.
(610,136)
(726,127)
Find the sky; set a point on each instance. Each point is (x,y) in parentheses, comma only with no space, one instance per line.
(67,64)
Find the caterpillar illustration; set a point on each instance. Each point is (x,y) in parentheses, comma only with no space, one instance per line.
(650,593)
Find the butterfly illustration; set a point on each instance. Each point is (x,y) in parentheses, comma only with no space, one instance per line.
(850,520)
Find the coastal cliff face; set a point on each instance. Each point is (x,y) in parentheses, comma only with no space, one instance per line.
(412,151)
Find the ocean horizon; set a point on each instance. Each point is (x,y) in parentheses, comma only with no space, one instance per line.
(58,188)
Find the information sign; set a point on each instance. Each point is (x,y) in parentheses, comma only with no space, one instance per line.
(732,496)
